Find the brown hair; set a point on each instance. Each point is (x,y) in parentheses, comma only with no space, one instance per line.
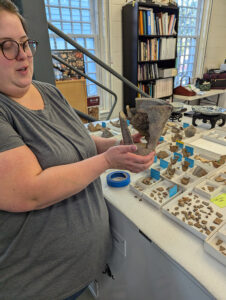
(7,5)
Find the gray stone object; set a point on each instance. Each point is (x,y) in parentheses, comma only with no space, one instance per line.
(148,118)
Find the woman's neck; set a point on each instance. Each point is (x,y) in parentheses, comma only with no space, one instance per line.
(32,99)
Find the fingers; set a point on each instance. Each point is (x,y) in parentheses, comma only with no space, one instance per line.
(128,148)
(138,163)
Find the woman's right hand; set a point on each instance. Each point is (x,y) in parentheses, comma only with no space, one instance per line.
(123,158)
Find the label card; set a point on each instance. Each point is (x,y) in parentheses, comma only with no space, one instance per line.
(173,190)
(176,154)
(180,144)
(191,162)
(220,200)
(185,125)
(190,149)
(155,174)
(163,163)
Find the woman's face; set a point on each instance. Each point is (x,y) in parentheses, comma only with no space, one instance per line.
(15,74)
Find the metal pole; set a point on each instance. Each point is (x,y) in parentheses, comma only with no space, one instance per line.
(89,78)
(96,59)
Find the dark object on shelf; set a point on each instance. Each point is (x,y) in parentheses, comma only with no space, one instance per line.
(181,90)
(216,79)
(212,118)
(202,85)
(177,115)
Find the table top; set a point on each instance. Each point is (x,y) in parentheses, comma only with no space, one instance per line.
(196,97)
(179,244)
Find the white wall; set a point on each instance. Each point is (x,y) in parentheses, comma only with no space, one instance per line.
(214,55)
(116,48)
(216,42)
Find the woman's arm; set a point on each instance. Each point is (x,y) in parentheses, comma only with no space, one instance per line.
(103,144)
(24,186)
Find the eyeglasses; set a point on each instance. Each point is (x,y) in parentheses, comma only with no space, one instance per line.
(11,48)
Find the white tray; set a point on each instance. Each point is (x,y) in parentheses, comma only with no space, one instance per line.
(158,194)
(195,202)
(215,244)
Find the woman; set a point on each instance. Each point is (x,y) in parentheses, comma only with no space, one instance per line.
(55,236)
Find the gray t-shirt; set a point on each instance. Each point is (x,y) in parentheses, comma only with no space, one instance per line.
(51,253)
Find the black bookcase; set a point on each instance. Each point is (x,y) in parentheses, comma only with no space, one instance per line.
(134,38)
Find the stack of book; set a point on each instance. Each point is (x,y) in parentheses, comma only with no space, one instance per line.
(151,23)
(157,49)
(161,88)
(147,72)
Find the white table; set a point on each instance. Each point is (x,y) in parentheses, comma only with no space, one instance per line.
(205,95)
(154,257)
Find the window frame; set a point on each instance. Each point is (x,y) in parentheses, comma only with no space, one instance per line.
(203,11)
(94,29)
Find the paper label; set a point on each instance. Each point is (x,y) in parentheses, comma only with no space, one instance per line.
(180,144)
(163,163)
(178,155)
(190,149)
(220,200)
(173,190)
(155,174)
(190,161)
(185,125)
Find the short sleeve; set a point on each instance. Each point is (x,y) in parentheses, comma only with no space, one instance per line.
(9,138)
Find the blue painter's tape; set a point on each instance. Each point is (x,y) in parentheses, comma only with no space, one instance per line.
(176,154)
(161,139)
(163,163)
(191,162)
(185,125)
(104,125)
(155,174)
(128,122)
(190,149)
(173,191)
(155,159)
(180,145)
(118,179)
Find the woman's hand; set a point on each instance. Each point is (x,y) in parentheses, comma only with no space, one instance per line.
(124,158)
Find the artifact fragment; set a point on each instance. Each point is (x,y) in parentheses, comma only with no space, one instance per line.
(162,154)
(220,162)
(116,123)
(185,180)
(199,172)
(93,128)
(190,131)
(149,118)
(185,165)
(106,133)
(174,148)
(176,137)
(219,179)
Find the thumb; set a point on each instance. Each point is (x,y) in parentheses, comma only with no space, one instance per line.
(129,148)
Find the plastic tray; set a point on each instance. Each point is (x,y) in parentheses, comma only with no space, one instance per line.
(194,203)
(215,245)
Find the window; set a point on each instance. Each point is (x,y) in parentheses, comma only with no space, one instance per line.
(76,19)
(190,16)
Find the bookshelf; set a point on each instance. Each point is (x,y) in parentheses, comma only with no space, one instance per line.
(149,34)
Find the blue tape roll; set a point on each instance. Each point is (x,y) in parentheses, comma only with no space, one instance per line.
(118,179)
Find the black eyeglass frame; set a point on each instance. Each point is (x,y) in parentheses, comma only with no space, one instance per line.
(29,41)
